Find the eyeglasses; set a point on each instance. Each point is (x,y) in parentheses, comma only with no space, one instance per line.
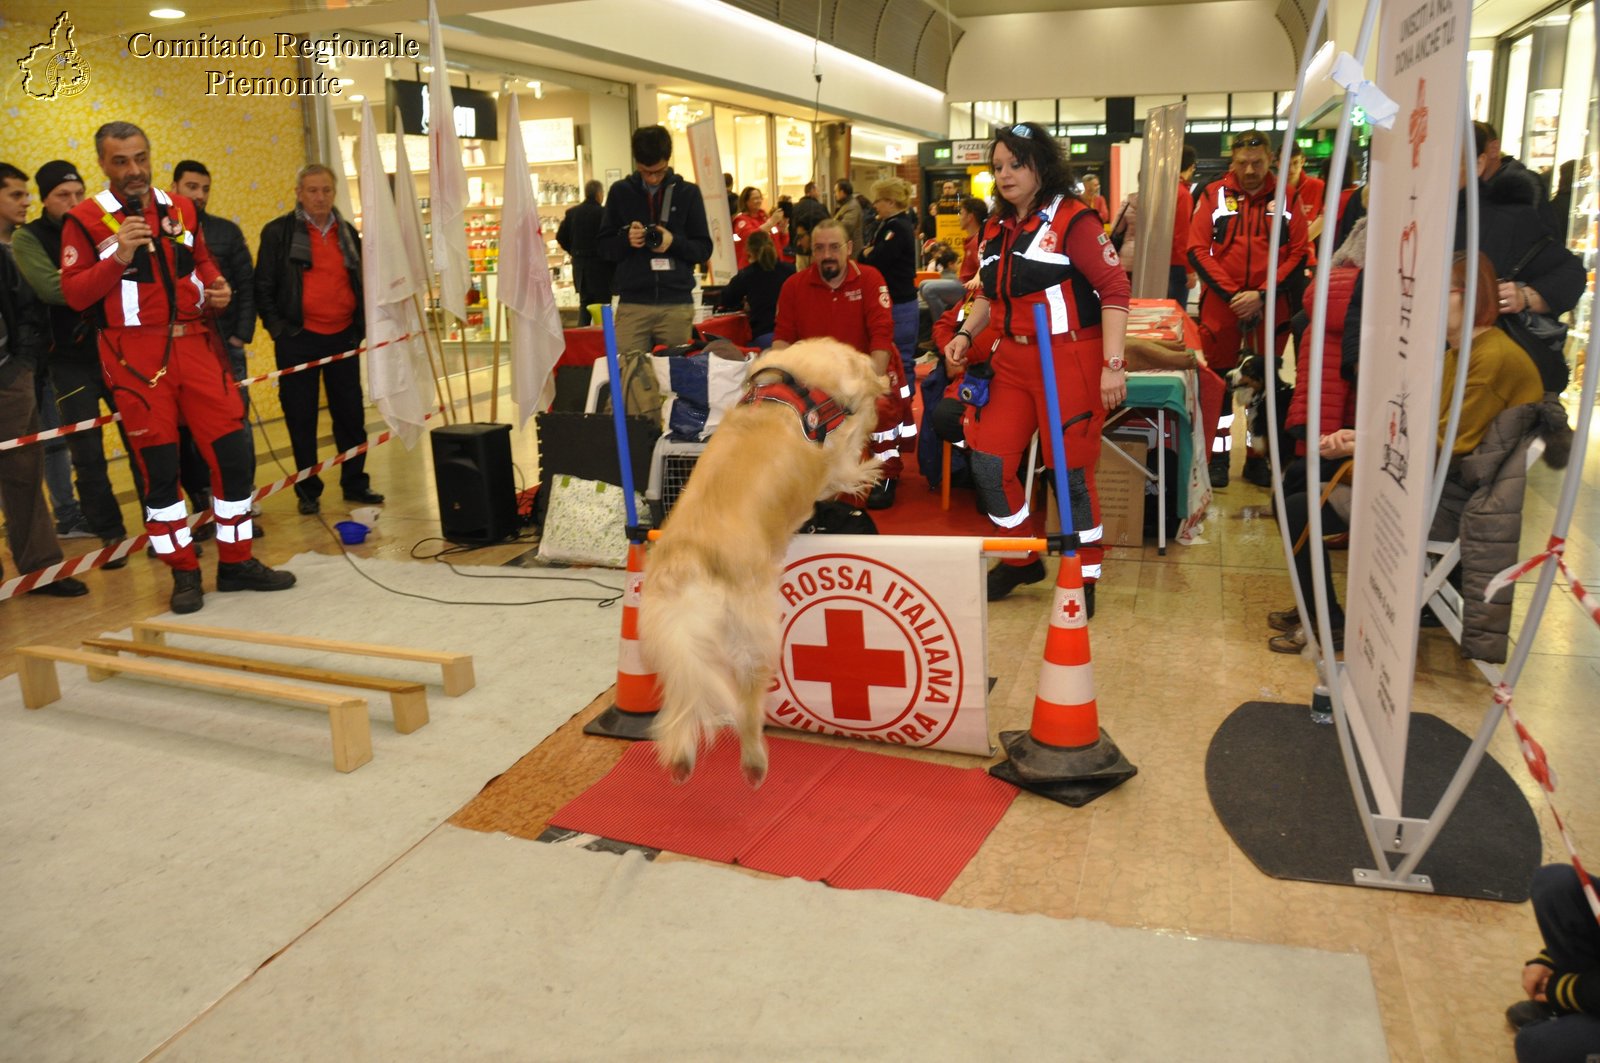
(1020,130)
(1250,140)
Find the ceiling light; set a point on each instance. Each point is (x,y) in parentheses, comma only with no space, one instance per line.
(166,12)
(357,98)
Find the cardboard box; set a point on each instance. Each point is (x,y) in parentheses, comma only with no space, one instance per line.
(1122,491)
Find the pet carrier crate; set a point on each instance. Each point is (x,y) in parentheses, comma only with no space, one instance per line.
(670,466)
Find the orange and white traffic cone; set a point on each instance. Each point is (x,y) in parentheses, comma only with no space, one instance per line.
(1065,755)
(638,699)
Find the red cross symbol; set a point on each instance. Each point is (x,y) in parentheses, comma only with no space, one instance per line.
(848,667)
(1071,608)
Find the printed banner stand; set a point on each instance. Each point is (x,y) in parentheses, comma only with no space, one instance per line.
(1426,137)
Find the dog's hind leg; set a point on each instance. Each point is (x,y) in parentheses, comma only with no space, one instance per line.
(750,722)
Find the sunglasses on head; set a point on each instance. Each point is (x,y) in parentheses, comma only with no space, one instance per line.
(1020,130)
(1250,140)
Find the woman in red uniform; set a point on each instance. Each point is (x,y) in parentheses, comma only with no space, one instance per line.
(1042,246)
(752,218)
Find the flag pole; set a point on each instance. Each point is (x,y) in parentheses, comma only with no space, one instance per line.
(502,323)
(466,372)
(433,366)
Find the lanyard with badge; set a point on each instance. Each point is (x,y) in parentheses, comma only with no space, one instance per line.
(660,263)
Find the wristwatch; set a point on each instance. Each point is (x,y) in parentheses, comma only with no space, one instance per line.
(1117,364)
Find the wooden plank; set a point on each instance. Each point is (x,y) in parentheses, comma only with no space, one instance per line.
(457,667)
(347,715)
(407,700)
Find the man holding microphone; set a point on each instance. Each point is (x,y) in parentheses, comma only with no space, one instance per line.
(137,256)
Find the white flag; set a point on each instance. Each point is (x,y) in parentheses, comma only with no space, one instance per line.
(396,367)
(448,201)
(525,288)
(410,214)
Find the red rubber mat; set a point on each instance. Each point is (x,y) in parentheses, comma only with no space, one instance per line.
(852,819)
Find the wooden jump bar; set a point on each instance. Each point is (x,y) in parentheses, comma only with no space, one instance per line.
(408,701)
(347,715)
(457,667)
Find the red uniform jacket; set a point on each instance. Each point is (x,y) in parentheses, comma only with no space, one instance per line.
(1059,256)
(136,294)
(1228,237)
(856,313)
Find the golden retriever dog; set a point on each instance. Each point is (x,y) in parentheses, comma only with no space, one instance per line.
(709,616)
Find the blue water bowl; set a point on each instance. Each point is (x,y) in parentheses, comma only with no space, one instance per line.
(351,532)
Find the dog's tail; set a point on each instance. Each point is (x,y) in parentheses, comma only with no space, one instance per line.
(681,637)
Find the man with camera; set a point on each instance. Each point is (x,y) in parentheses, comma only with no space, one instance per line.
(655,230)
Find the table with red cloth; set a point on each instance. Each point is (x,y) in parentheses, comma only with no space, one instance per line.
(1194,396)
(585,346)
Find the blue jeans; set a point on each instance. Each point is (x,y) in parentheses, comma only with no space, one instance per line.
(57,460)
(907,317)
(1572,940)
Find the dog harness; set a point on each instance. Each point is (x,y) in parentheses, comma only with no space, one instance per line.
(819,413)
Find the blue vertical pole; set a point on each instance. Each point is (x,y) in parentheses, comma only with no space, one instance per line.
(1052,405)
(619,417)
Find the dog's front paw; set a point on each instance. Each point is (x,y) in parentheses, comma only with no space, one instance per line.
(754,774)
(680,771)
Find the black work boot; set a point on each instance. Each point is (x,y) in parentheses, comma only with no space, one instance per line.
(1257,471)
(187,594)
(1004,578)
(1219,470)
(252,575)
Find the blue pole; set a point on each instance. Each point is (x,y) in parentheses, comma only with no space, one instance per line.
(1052,405)
(619,416)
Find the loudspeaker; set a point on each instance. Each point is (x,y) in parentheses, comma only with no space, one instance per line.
(473,477)
(1119,118)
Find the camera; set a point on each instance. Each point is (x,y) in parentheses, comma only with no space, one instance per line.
(974,389)
(653,238)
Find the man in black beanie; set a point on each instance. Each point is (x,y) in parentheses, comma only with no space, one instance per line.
(72,357)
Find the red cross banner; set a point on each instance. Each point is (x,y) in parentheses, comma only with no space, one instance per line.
(884,639)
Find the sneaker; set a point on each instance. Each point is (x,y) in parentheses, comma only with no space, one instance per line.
(1257,471)
(252,575)
(78,529)
(366,496)
(1004,578)
(65,587)
(121,562)
(187,594)
(882,495)
(203,532)
(310,506)
(1527,1012)
(1295,641)
(1284,620)
(1219,470)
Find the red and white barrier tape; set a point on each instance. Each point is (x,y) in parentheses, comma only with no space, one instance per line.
(98,558)
(1556,548)
(1539,767)
(97,422)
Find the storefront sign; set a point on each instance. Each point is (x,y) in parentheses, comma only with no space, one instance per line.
(549,140)
(476,114)
(1410,236)
(882,644)
(969,152)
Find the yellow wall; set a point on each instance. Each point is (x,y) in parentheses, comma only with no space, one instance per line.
(252,146)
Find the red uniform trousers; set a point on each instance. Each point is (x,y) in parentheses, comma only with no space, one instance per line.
(1002,428)
(196,390)
(894,415)
(1220,339)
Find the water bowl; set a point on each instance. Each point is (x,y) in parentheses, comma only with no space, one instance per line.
(351,532)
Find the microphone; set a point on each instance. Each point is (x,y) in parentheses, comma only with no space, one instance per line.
(134,207)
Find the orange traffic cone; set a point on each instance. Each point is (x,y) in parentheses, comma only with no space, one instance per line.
(637,698)
(1065,755)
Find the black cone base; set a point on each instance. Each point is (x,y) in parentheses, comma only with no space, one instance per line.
(1068,776)
(615,723)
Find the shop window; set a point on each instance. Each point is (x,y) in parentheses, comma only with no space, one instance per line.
(961,121)
(1252,105)
(1082,109)
(1480,78)
(1041,111)
(1516,96)
(1577,87)
(794,156)
(1208,105)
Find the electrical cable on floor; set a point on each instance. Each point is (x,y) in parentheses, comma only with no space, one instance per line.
(450,551)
